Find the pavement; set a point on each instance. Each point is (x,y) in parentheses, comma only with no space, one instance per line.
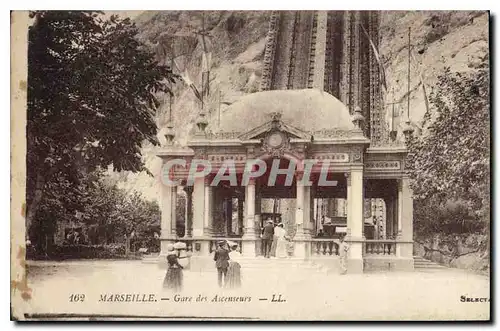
(266,294)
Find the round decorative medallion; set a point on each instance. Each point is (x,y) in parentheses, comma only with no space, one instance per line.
(275,140)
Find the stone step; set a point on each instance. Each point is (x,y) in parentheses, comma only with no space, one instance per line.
(423,264)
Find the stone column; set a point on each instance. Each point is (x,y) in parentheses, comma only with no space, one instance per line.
(200,219)
(355,220)
(308,211)
(405,224)
(208,205)
(189,211)
(168,216)
(302,213)
(399,209)
(248,244)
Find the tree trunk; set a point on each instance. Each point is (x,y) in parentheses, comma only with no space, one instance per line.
(32,207)
(127,246)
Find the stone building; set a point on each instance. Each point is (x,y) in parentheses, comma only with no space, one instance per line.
(320,99)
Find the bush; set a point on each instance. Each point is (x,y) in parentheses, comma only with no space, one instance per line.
(71,252)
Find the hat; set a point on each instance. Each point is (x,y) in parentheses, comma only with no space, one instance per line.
(180,245)
(221,242)
(270,221)
(232,243)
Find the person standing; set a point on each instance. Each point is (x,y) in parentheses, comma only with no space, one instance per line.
(173,278)
(343,253)
(221,259)
(234,270)
(281,243)
(267,238)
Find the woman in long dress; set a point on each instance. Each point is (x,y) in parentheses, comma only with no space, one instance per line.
(281,241)
(173,278)
(234,270)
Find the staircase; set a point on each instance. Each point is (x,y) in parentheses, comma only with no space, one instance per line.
(422,264)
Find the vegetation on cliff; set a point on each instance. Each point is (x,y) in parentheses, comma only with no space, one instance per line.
(450,163)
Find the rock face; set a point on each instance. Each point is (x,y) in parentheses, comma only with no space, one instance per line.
(438,39)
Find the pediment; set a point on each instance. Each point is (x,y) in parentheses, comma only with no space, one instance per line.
(274,125)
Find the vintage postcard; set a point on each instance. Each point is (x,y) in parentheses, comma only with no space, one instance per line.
(250,165)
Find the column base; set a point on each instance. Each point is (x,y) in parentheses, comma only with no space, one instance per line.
(405,250)
(302,249)
(249,248)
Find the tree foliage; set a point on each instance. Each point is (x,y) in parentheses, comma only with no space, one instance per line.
(91,100)
(450,163)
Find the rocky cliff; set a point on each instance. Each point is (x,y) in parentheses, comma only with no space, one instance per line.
(438,40)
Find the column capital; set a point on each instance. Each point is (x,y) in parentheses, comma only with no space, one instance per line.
(347,176)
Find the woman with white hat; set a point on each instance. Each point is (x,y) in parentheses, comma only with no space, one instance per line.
(234,270)
(281,242)
(173,278)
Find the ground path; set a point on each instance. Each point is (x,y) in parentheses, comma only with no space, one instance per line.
(308,294)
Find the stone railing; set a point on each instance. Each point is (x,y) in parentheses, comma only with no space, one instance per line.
(382,247)
(324,247)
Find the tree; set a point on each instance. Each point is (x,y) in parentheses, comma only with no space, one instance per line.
(91,99)
(449,163)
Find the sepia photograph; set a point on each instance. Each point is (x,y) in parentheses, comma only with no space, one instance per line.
(307,165)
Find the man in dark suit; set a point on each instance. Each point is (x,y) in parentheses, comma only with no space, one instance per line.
(267,237)
(221,259)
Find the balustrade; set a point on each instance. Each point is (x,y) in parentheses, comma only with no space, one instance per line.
(379,247)
(324,247)
(318,247)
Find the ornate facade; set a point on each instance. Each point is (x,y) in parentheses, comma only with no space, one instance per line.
(320,100)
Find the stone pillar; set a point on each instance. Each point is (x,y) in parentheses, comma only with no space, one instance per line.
(249,235)
(302,219)
(319,51)
(208,206)
(168,216)
(405,224)
(189,211)
(355,220)
(399,209)
(200,220)
(308,206)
